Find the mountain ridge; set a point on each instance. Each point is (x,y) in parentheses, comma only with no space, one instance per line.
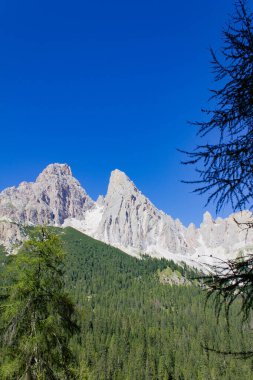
(124,218)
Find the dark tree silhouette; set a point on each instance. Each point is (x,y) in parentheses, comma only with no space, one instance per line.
(225,168)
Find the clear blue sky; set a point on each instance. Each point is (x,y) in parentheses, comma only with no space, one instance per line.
(104,85)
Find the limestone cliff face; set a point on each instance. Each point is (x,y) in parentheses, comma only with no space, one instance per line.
(130,220)
(124,218)
(226,232)
(53,197)
(10,233)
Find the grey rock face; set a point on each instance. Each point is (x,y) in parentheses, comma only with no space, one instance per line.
(55,196)
(10,233)
(132,221)
(226,232)
(124,218)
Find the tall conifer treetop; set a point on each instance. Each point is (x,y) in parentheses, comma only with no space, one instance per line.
(37,316)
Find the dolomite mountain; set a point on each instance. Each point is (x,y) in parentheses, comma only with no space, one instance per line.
(124,218)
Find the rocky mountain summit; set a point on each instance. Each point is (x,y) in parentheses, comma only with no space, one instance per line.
(124,218)
(132,221)
(53,197)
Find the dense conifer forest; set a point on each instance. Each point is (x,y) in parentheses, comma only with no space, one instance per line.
(134,327)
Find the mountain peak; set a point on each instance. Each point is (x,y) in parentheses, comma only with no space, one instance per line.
(55,196)
(120,183)
(119,176)
(55,169)
(207,218)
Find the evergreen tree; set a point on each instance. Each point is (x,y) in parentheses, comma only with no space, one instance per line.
(37,316)
(225,167)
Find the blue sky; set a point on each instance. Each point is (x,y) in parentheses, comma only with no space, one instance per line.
(104,85)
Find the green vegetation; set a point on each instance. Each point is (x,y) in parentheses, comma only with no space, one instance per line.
(36,320)
(3,260)
(134,327)
(170,277)
(2,251)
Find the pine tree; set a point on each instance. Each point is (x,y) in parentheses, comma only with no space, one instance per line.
(37,316)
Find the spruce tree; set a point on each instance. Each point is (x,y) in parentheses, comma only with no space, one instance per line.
(37,316)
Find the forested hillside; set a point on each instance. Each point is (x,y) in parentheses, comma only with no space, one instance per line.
(134,327)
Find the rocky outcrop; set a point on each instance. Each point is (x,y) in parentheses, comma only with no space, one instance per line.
(55,196)
(229,232)
(130,220)
(170,277)
(11,234)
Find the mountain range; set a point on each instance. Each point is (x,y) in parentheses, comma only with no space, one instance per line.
(123,218)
